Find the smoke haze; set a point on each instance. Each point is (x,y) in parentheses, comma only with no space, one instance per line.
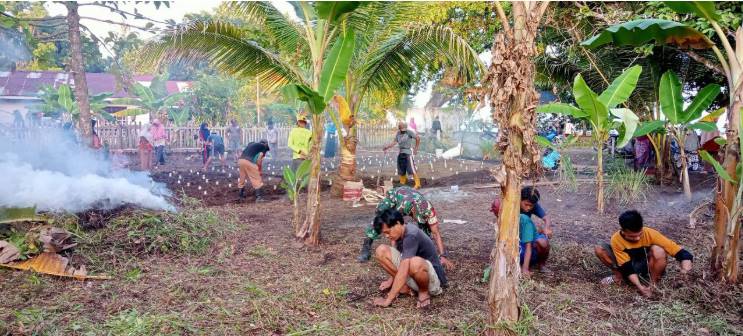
(50,171)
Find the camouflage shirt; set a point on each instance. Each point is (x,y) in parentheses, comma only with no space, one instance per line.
(410,203)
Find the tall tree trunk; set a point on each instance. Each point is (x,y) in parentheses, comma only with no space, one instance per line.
(727,227)
(77,68)
(513,101)
(600,179)
(727,231)
(257,102)
(685,174)
(310,231)
(504,258)
(347,167)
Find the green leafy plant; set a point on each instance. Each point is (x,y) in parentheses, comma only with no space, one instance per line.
(293,182)
(148,101)
(61,101)
(600,111)
(680,119)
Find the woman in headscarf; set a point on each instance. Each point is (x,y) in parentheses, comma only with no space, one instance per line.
(203,139)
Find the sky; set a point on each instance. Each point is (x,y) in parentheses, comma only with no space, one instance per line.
(176,12)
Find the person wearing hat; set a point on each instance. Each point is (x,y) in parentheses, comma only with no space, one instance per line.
(299,141)
(408,141)
(250,166)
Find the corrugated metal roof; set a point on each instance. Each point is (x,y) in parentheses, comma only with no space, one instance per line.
(29,83)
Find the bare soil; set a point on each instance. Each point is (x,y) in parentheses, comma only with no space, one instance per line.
(255,279)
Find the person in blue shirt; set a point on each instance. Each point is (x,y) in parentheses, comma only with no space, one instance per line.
(331,141)
(540,239)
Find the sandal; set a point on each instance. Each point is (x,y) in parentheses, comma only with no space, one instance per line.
(426,307)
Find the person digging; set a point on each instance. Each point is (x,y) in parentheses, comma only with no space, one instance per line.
(250,166)
(638,255)
(404,139)
(408,202)
(410,261)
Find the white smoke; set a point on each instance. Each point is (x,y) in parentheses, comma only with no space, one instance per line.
(50,171)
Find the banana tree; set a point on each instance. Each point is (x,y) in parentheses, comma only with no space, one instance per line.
(600,111)
(62,100)
(640,32)
(146,102)
(321,42)
(293,182)
(679,120)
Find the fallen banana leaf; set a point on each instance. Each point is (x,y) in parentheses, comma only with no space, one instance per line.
(54,264)
(10,215)
(8,252)
(53,239)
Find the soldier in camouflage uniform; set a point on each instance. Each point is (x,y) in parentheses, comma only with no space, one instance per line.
(413,204)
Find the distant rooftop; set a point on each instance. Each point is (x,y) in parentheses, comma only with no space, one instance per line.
(29,83)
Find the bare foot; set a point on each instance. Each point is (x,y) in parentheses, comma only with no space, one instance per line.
(424,300)
(386,284)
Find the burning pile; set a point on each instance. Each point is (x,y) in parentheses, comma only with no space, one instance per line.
(53,173)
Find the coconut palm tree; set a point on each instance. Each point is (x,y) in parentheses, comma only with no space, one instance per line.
(381,43)
(394,48)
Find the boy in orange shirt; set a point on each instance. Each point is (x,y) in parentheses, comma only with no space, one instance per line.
(638,255)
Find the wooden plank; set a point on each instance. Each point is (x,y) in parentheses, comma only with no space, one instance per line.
(537,184)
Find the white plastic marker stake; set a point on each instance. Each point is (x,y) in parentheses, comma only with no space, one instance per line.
(188,184)
(199,187)
(216,183)
(229,185)
(204,192)
(274,187)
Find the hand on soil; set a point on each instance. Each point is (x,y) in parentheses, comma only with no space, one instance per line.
(646,291)
(548,232)
(448,265)
(381,302)
(385,285)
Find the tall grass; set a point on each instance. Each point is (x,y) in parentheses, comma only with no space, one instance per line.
(568,180)
(625,185)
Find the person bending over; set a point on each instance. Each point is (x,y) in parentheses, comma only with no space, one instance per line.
(412,263)
(411,203)
(638,254)
(529,207)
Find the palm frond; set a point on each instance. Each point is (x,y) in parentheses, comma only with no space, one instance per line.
(375,22)
(288,35)
(223,45)
(393,65)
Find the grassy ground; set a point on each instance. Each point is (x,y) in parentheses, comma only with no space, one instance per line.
(235,270)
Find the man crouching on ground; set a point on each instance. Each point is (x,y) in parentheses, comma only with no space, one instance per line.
(412,261)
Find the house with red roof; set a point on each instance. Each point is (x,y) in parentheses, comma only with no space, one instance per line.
(19,90)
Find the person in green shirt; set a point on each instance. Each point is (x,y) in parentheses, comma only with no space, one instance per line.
(299,141)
